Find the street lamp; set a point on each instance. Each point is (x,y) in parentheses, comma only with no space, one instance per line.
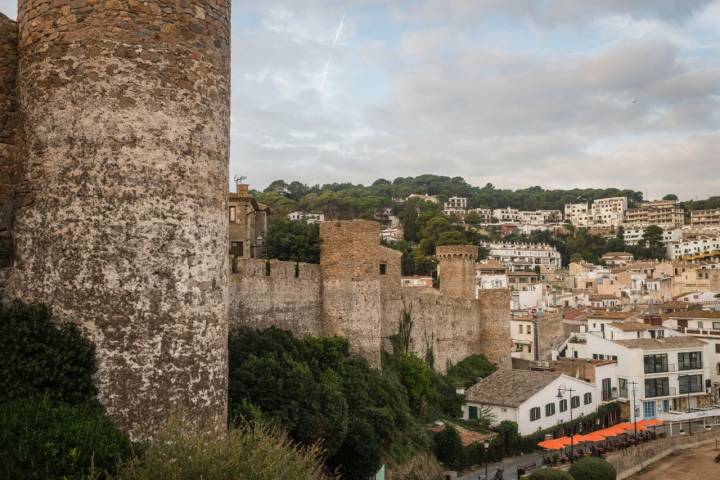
(561,390)
(634,410)
(486,446)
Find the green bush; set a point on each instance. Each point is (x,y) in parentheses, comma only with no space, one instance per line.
(256,452)
(592,468)
(45,439)
(467,371)
(549,474)
(448,448)
(39,358)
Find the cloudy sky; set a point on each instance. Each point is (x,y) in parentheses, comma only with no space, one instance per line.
(558,93)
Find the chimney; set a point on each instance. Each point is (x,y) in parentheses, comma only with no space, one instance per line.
(243,188)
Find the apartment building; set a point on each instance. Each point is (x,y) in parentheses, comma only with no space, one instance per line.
(485,214)
(248,223)
(700,324)
(455,206)
(705,218)
(609,211)
(633,235)
(657,374)
(663,213)
(524,256)
(522,335)
(578,214)
(507,215)
(491,274)
(695,250)
(307,216)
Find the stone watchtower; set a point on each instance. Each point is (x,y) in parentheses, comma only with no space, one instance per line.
(121,217)
(456,270)
(351,293)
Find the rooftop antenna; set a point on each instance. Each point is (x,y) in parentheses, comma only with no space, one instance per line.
(239,178)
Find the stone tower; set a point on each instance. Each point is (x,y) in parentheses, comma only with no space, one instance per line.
(8,126)
(456,270)
(350,266)
(121,217)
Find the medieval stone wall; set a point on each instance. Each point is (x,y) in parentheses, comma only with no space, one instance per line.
(351,284)
(8,131)
(456,270)
(494,318)
(285,295)
(121,217)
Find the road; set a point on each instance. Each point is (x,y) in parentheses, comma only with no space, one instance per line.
(509,466)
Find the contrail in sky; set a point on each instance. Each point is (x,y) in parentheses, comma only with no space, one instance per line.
(323,77)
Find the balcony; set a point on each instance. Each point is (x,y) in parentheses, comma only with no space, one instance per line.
(670,369)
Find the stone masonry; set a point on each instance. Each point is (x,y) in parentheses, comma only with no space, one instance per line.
(358,295)
(8,126)
(121,209)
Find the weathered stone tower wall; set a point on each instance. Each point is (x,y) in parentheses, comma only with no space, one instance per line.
(351,284)
(121,220)
(494,319)
(8,131)
(456,270)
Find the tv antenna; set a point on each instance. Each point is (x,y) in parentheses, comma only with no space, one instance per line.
(239,178)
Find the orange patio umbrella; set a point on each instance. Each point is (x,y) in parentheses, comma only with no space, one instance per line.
(651,423)
(594,437)
(554,443)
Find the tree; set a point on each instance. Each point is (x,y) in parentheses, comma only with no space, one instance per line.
(592,468)
(469,370)
(549,474)
(448,448)
(509,436)
(653,241)
(670,196)
(295,241)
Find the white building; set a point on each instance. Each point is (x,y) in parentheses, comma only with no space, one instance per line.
(424,197)
(633,236)
(700,249)
(391,235)
(522,335)
(507,215)
(530,398)
(609,211)
(524,256)
(485,214)
(307,216)
(578,214)
(490,274)
(455,206)
(664,372)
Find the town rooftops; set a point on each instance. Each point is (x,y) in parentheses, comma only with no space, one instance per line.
(602,296)
(574,314)
(661,343)
(632,326)
(617,255)
(611,315)
(509,388)
(490,265)
(693,314)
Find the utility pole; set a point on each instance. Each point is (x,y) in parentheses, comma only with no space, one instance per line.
(536,338)
(633,383)
(570,391)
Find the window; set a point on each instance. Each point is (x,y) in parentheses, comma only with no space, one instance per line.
(236,249)
(521,328)
(716,325)
(700,324)
(383,269)
(657,387)
(717,348)
(563,405)
(587,398)
(472,413)
(690,383)
(656,363)
(529,329)
(649,410)
(689,360)
(575,401)
(233,215)
(534,414)
(606,389)
(549,409)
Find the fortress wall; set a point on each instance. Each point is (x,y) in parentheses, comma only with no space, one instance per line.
(8,131)
(351,293)
(289,297)
(121,214)
(494,319)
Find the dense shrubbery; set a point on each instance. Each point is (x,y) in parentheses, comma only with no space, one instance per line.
(321,393)
(592,468)
(51,426)
(448,448)
(247,452)
(46,439)
(467,371)
(38,358)
(549,474)
(293,241)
